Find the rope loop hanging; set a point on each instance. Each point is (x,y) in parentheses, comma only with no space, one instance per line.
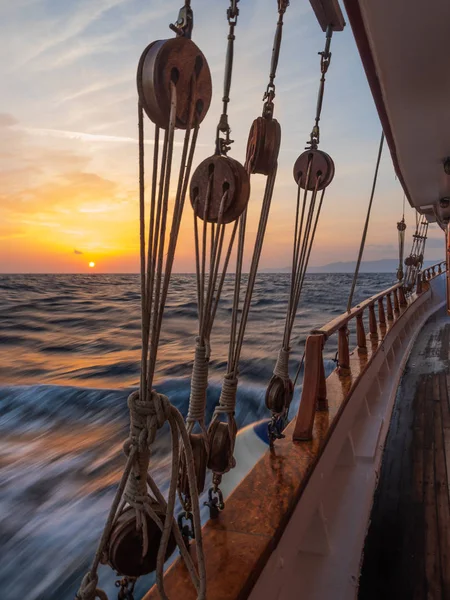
(262,157)
(174,91)
(313,173)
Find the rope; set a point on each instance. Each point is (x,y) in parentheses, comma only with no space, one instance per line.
(149,410)
(366,226)
(199,384)
(282,365)
(415,261)
(227,400)
(89,590)
(307,216)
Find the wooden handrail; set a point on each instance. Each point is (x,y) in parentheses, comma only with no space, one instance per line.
(314,373)
(399,300)
(341,321)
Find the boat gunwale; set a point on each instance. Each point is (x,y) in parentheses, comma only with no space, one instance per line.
(274,486)
(338,322)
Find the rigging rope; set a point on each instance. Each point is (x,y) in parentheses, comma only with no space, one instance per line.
(313,172)
(414,261)
(175,93)
(401,228)
(262,157)
(366,226)
(220,191)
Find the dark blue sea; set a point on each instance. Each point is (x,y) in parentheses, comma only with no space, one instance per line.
(69,356)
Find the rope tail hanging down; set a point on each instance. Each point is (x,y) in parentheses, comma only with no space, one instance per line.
(174,88)
(313,172)
(262,157)
(219,192)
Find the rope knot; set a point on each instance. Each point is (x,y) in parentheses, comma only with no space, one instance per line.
(281,368)
(227,401)
(89,590)
(199,383)
(147,416)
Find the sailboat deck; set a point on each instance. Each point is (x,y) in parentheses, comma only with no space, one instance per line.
(407,549)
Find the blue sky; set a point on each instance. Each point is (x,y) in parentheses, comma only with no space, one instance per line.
(68,130)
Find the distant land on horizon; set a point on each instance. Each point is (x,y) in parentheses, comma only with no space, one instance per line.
(384,265)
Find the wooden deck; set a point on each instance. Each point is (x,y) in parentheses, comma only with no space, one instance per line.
(407,549)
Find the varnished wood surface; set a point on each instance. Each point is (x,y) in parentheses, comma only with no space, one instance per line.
(239,543)
(407,549)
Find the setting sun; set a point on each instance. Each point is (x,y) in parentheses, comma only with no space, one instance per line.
(92,264)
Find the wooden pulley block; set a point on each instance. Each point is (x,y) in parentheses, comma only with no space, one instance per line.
(263,145)
(177,60)
(227,176)
(409,261)
(126,544)
(322,166)
(279,394)
(199,451)
(220,458)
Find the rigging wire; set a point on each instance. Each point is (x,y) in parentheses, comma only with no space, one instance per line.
(366,225)
(220,190)
(262,157)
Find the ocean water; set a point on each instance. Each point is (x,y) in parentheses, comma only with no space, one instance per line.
(69,356)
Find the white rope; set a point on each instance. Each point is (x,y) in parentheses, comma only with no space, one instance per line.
(282,365)
(199,384)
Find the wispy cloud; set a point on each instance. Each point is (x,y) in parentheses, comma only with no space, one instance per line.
(68,26)
(80,135)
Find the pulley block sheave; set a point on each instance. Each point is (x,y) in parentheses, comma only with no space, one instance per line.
(125,551)
(220,189)
(180,61)
(200,453)
(263,145)
(279,394)
(318,164)
(221,446)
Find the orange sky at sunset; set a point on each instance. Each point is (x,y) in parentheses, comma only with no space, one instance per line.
(68,168)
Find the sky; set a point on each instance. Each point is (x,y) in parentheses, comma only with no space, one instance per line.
(68,132)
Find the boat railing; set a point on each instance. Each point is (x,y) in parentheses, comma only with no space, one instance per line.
(378,314)
(239,543)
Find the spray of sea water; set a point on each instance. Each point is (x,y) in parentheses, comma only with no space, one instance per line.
(69,356)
